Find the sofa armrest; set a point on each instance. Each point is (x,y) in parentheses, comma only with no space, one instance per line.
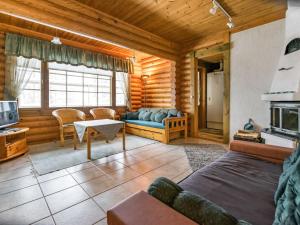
(178,123)
(143,209)
(270,153)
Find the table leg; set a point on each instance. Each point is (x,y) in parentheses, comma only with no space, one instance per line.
(124,132)
(75,139)
(88,143)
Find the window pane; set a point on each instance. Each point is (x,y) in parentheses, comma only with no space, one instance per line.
(57,99)
(31,94)
(104,99)
(30,99)
(90,83)
(75,82)
(90,99)
(79,86)
(57,82)
(74,99)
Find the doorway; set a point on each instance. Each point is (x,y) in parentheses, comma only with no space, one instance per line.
(211,91)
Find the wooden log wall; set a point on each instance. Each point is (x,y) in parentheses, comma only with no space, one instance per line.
(136,87)
(2,65)
(159,90)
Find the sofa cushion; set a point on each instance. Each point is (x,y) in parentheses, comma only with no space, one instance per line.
(239,183)
(146,123)
(132,115)
(202,210)
(160,116)
(146,116)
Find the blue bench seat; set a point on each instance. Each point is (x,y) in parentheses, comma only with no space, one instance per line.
(146,123)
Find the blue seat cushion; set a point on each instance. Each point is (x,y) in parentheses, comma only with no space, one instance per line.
(146,123)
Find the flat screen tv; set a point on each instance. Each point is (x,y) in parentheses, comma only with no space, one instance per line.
(9,114)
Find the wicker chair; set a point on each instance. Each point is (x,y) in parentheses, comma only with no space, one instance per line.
(103,113)
(66,118)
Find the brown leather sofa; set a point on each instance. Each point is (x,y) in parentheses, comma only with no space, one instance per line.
(243,182)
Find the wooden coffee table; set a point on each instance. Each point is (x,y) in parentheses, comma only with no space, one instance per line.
(108,128)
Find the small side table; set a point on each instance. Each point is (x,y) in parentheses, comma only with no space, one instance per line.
(13,143)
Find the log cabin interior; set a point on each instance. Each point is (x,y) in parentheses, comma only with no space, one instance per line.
(156,112)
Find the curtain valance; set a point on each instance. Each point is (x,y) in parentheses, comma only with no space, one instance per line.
(18,45)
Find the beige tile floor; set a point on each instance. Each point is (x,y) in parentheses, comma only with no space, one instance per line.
(82,194)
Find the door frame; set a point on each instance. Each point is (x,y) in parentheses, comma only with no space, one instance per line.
(197,55)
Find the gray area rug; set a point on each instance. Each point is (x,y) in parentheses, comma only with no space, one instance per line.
(200,155)
(49,157)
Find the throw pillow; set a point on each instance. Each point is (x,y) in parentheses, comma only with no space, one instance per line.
(146,116)
(180,114)
(132,115)
(172,112)
(152,117)
(164,190)
(140,117)
(160,116)
(202,210)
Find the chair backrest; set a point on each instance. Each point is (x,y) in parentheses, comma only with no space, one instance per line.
(103,113)
(65,116)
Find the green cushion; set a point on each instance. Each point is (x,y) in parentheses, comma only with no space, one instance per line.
(202,210)
(164,190)
(146,123)
(160,116)
(146,116)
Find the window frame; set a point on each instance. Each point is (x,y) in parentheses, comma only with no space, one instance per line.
(45,109)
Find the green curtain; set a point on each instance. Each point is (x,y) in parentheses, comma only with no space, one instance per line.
(18,45)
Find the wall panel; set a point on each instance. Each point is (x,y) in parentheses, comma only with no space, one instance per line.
(159,90)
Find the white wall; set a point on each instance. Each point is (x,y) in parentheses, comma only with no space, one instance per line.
(254,58)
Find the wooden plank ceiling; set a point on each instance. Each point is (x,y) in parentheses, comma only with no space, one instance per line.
(186,20)
(20,26)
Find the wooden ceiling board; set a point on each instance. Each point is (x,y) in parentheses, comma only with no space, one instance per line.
(75,16)
(16,25)
(186,20)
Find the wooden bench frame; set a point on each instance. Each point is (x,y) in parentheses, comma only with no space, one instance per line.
(174,126)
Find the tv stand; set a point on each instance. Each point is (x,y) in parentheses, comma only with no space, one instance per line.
(13,143)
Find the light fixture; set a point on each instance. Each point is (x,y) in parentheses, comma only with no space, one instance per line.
(213,11)
(145,76)
(230,24)
(56,40)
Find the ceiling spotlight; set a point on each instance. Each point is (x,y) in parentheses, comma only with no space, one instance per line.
(214,9)
(56,41)
(230,24)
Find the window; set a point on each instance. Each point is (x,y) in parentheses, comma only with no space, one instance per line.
(30,73)
(79,86)
(121,85)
